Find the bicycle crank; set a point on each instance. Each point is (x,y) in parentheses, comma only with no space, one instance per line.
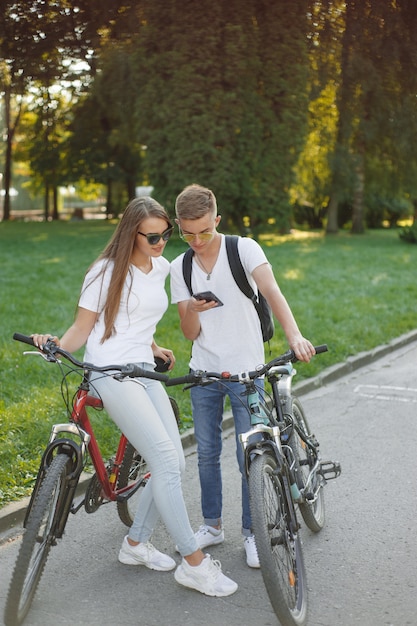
(94,495)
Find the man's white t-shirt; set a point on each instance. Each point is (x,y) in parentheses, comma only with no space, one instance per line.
(230,338)
(140,310)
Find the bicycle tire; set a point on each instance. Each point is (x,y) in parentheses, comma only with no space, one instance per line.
(280,557)
(38,538)
(312,512)
(134,468)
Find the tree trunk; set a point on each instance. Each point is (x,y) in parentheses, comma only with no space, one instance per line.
(109,203)
(358,227)
(10,131)
(332,225)
(55,213)
(46,203)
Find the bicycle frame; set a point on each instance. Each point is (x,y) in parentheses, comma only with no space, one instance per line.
(107,475)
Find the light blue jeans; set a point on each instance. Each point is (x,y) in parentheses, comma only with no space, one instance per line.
(208,407)
(145,416)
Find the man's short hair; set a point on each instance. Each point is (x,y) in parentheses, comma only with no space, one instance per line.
(195,202)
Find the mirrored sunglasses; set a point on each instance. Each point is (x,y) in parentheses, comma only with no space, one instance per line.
(189,237)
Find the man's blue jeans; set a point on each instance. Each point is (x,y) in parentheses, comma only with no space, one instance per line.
(208,406)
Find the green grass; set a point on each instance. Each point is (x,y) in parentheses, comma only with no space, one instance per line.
(353,293)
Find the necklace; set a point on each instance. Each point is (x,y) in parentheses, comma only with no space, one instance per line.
(201,264)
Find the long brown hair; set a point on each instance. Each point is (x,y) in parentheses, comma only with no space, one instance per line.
(119,251)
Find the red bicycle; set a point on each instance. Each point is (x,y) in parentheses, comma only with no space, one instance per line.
(53,498)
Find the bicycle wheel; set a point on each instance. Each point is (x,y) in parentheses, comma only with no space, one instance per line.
(312,507)
(37,540)
(280,554)
(133,469)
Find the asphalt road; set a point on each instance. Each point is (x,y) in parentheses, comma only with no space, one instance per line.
(362,567)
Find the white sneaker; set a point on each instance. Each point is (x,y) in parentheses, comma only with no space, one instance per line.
(252,558)
(145,554)
(207,578)
(208,536)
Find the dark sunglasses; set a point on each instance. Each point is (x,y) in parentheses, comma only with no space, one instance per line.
(153,238)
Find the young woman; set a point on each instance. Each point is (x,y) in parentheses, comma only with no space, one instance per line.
(122,300)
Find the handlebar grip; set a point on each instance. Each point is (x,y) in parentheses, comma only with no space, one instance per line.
(320,349)
(181,380)
(23,339)
(135,371)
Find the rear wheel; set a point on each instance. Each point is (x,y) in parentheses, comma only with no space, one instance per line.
(312,507)
(279,549)
(37,541)
(132,470)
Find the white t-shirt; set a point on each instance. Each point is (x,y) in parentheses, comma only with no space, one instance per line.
(230,338)
(139,312)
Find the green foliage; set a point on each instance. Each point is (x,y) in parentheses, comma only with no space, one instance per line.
(409,233)
(343,291)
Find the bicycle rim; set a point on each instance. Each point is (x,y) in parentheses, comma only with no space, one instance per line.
(280,555)
(37,540)
(132,470)
(313,512)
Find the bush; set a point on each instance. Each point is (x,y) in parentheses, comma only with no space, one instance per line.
(409,233)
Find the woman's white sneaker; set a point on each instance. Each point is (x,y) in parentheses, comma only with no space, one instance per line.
(145,554)
(207,578)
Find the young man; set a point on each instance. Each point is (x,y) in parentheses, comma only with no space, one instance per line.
(225,338)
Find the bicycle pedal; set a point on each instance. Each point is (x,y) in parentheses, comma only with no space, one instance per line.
(330,470)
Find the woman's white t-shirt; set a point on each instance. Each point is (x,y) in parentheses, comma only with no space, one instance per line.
(143,303)
(230,338)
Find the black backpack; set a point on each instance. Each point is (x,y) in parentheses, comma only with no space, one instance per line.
(261,305)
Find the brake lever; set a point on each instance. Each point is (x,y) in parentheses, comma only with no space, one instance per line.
(51,358)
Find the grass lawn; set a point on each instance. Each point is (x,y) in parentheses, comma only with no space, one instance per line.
(353,293)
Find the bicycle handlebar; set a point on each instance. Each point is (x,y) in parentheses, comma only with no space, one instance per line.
(200,377)
(130,370)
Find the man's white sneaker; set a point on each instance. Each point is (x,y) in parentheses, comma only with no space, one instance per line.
(145,554)
(208,536)
(252,558)
(207,578)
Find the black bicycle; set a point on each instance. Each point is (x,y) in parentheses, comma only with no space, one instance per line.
(284,472)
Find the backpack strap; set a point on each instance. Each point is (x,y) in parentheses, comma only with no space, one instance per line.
(186,268)
(237,269)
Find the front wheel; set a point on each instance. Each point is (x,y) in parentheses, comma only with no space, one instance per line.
(279,549)
(37,540)
(312,506)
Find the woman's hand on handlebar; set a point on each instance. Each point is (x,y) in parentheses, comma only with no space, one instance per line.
(40,340)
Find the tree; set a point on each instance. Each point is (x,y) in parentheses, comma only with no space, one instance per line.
(223,101)
(40,38)
(378,66)
(104,145)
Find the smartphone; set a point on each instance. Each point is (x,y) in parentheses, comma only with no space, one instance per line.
(161,365)
(209,296)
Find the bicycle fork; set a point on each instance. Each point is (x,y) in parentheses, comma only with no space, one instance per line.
(76,454)
(267,440)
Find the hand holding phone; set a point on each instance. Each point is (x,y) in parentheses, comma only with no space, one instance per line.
(161,365)
(208,296)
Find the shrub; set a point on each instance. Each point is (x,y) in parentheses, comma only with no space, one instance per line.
(409,233)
